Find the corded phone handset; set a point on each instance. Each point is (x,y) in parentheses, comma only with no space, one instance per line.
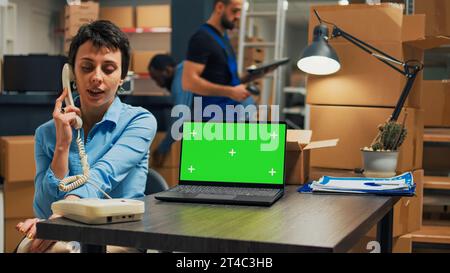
(91,210)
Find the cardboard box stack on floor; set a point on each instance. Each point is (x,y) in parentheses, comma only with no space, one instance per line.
(169,167)
(17,167)
(350,104)
(77,15)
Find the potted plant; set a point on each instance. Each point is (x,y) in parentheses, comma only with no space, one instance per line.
(382,155)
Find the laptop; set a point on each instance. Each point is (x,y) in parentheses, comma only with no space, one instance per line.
(230,163)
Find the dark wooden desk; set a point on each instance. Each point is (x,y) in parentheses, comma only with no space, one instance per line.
(295,223)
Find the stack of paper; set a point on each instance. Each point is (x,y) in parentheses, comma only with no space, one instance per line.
(398,185)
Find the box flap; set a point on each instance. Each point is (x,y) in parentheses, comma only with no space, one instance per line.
(430,42)
(413,27)
(322,144)
(297,139)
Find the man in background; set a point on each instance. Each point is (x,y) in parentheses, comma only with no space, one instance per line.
(210,70)
(167,74)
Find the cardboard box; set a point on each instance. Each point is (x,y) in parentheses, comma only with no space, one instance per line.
(72,21)
(437,16)
(436,103)
(408,211)
(71,31)
(18,200)
(141,59)
(356,127)
(171,175)
(67,43)
(17,158)
(77,15)
(369,23)
(123,17)
(364,80)
(172,160)
(298,146)
(12,236)
(89,9)
(255,53)
(153,16)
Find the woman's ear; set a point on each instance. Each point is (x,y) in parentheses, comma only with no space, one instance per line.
(121,82)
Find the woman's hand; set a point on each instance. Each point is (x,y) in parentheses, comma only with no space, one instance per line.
(64,119)
(28,228)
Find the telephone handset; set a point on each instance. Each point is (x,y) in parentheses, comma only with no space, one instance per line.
(72,182)
(67,77)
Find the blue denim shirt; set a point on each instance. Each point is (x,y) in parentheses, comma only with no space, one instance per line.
(117,149)
(179,97)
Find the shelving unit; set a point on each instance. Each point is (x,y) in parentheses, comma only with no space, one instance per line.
(8,25)
(437,135)
(432,235)
(432,231)
(148,30)
(436,182)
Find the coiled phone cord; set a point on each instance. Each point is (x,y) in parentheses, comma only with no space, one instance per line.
(72,182)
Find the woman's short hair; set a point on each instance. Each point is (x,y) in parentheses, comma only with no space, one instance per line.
(102,33)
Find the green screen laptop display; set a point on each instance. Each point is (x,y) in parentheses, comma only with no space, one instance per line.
(233,152)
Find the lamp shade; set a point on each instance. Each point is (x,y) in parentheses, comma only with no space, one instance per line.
(319,58)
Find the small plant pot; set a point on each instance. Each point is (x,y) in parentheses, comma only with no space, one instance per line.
(380,162)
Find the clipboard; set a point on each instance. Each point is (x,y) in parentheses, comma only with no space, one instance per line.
(255,72)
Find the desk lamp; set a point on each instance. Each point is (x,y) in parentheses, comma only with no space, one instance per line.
(321,59)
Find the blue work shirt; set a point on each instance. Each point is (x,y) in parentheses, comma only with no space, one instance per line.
(117,149)
(179,97)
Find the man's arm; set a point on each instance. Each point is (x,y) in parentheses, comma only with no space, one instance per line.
(193,82)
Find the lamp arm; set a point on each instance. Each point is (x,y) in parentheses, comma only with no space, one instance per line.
(409,71)
(401,101)
(381,56)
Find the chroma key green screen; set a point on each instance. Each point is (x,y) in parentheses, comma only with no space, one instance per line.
(233,152)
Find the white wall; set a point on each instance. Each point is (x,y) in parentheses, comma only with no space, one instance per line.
(37,22)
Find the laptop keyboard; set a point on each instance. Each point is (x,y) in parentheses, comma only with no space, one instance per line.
(224,190)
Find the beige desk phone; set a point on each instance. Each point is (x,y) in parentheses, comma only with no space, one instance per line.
(91,210)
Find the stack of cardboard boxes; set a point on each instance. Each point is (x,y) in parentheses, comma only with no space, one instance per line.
(436,93)
(351,103)
(17,168)
(75,16)
(123,17)
(168,168)
(137,20)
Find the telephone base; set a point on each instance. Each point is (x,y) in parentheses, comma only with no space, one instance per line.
(100,211)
